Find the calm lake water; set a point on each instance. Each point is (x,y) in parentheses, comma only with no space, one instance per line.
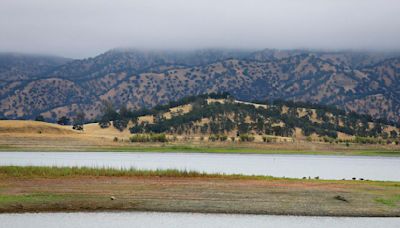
(296,166)
(176,220)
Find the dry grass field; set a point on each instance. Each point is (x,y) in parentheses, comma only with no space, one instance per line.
(24,135)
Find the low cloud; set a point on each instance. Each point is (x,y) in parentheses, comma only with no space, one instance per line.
(77,28)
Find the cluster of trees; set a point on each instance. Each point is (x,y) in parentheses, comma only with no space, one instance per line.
(121,117)
(77,122)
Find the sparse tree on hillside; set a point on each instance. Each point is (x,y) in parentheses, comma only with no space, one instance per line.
(79,120)
(39,118)
(393,134)
(63,120)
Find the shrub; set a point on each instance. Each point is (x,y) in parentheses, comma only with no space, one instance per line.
(104,124)
(39,118)
(149,138)
(367,140)
(158,138)
(214,138)
(233,139)
(115,139)
(223,138)
(268,139)
(63,120)
(246,138)
(264,138)
(120,124)
(328,139)
(78,127)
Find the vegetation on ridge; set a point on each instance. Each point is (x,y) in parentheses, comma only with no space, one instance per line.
(219,114)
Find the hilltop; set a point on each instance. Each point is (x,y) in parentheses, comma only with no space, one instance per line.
(219,117)
(366,83)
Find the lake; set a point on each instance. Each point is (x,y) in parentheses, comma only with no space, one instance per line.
(177,220)
(295,166)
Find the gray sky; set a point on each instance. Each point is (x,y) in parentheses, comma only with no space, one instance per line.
(83,28)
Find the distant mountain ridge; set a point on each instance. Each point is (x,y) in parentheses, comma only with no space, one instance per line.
(363,82)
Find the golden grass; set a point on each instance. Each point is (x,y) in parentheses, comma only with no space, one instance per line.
(32,127)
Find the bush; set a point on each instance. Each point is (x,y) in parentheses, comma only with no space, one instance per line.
(104,124)
(39,118)
(328,139)
(158,138)
(149,138)
(120,124)
(115,139)
(246,138)
(214,138)
(223,138)
(233,139)
(268,139)
(63,120)
(77,127)
(367,140)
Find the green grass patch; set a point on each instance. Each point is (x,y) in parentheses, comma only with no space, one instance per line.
(35,171)
(241,150)
(391,202)
(228,148)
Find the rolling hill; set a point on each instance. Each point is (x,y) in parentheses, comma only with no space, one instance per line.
(218,115)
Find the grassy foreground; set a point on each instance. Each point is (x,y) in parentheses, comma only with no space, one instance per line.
(32,189)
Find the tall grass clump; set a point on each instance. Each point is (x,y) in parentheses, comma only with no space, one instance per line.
(52,172)
(36,171)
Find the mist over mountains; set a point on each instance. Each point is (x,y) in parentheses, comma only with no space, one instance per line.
(365,82)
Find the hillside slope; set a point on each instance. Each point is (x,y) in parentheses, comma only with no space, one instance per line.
(219,114)
(360,82)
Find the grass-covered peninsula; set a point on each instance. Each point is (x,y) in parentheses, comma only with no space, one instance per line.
(35,189)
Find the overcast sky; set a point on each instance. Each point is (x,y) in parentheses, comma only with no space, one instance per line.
(83,28)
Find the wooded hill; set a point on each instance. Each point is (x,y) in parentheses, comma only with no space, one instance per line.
(355,81)
(220,114)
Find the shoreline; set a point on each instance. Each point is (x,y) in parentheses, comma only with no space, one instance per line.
(35,211)
(45,189)
(189,148)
